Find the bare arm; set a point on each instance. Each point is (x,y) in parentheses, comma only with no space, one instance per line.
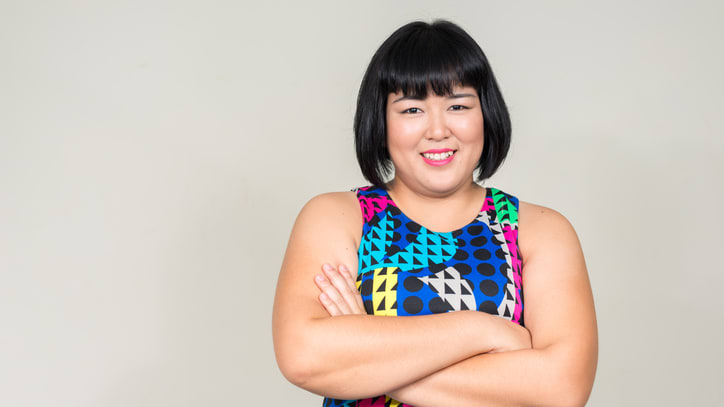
(354,356)
(559,313)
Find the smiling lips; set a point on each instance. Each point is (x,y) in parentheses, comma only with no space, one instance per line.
(438,157)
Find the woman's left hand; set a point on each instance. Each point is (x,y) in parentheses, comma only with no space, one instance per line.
(339,294)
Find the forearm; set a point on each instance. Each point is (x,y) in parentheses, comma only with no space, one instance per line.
(533,377)
(357,356)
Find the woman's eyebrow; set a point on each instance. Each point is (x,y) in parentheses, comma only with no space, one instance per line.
(452,96)
(460,95)
(408,97)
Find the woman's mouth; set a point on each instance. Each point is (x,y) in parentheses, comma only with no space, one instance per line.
(438,158)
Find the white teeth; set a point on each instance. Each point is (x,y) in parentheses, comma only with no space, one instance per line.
(437,156)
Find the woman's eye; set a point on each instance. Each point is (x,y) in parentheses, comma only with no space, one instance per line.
(412,110)
(458,107)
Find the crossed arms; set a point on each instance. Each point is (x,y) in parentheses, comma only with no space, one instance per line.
(465,358)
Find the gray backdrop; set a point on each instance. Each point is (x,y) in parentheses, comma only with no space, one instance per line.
(153,157)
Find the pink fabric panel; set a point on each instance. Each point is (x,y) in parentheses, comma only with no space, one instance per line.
(488,205)
(372,402)
(377,402)
(371,206)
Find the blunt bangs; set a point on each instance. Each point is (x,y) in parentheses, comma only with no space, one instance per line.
(429,61)
(416,59)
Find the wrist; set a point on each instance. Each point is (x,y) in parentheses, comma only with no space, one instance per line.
(492,332)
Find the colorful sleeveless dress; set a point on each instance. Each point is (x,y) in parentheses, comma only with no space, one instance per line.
(406,269)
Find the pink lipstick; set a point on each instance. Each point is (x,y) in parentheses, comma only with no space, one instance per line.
(438,157)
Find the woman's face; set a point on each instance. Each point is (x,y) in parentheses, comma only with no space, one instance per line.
(435,143)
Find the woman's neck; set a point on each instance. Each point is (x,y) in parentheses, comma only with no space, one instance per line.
(439,212)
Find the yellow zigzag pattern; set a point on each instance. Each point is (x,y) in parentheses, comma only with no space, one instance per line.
(384,291)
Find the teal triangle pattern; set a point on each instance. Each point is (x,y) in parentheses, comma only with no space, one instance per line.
(373,248)
(428,248)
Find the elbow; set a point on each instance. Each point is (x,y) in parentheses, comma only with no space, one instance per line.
(562,392)
(570,387)
(301,361)
(576,397)
(295,371)
(569,379)
(295,364)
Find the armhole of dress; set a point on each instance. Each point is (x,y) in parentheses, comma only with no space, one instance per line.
(361,207)
(358,196)
(506,218)
(516,205)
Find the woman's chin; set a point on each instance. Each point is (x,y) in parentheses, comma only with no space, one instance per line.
(444,187)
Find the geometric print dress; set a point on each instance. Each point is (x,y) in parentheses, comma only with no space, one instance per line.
(406,269)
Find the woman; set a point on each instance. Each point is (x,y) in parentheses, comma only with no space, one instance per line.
(428,241)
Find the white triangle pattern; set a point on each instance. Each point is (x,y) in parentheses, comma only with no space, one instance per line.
(455,283)
(506,303)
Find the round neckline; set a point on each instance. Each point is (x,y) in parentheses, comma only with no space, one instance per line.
(487,194)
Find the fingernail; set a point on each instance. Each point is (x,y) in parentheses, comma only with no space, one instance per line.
(319,277)
(327,267)
(342,267)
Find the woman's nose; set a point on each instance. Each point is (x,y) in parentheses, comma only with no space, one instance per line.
(437,127)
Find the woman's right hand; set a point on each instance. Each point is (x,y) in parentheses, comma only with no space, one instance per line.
(339,294)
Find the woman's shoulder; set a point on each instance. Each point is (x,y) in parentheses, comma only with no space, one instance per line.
(535,216)
(332,202)
(332,210)
(541,227)
(343,201)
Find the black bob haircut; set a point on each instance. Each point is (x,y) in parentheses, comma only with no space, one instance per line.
(416,58)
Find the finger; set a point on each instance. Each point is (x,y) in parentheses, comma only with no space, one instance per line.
(328,305)
(332,292)
(339,282)
(353,286)
(351,273)
(348,278)
(351,294)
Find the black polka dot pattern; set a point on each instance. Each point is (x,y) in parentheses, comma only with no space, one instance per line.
(475,230)
(437,305)
(460,255)
(489,287)
(463,268)
(489,307)
(481,254)
(413,305)
(486,269)
(479,241)
(413,284)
